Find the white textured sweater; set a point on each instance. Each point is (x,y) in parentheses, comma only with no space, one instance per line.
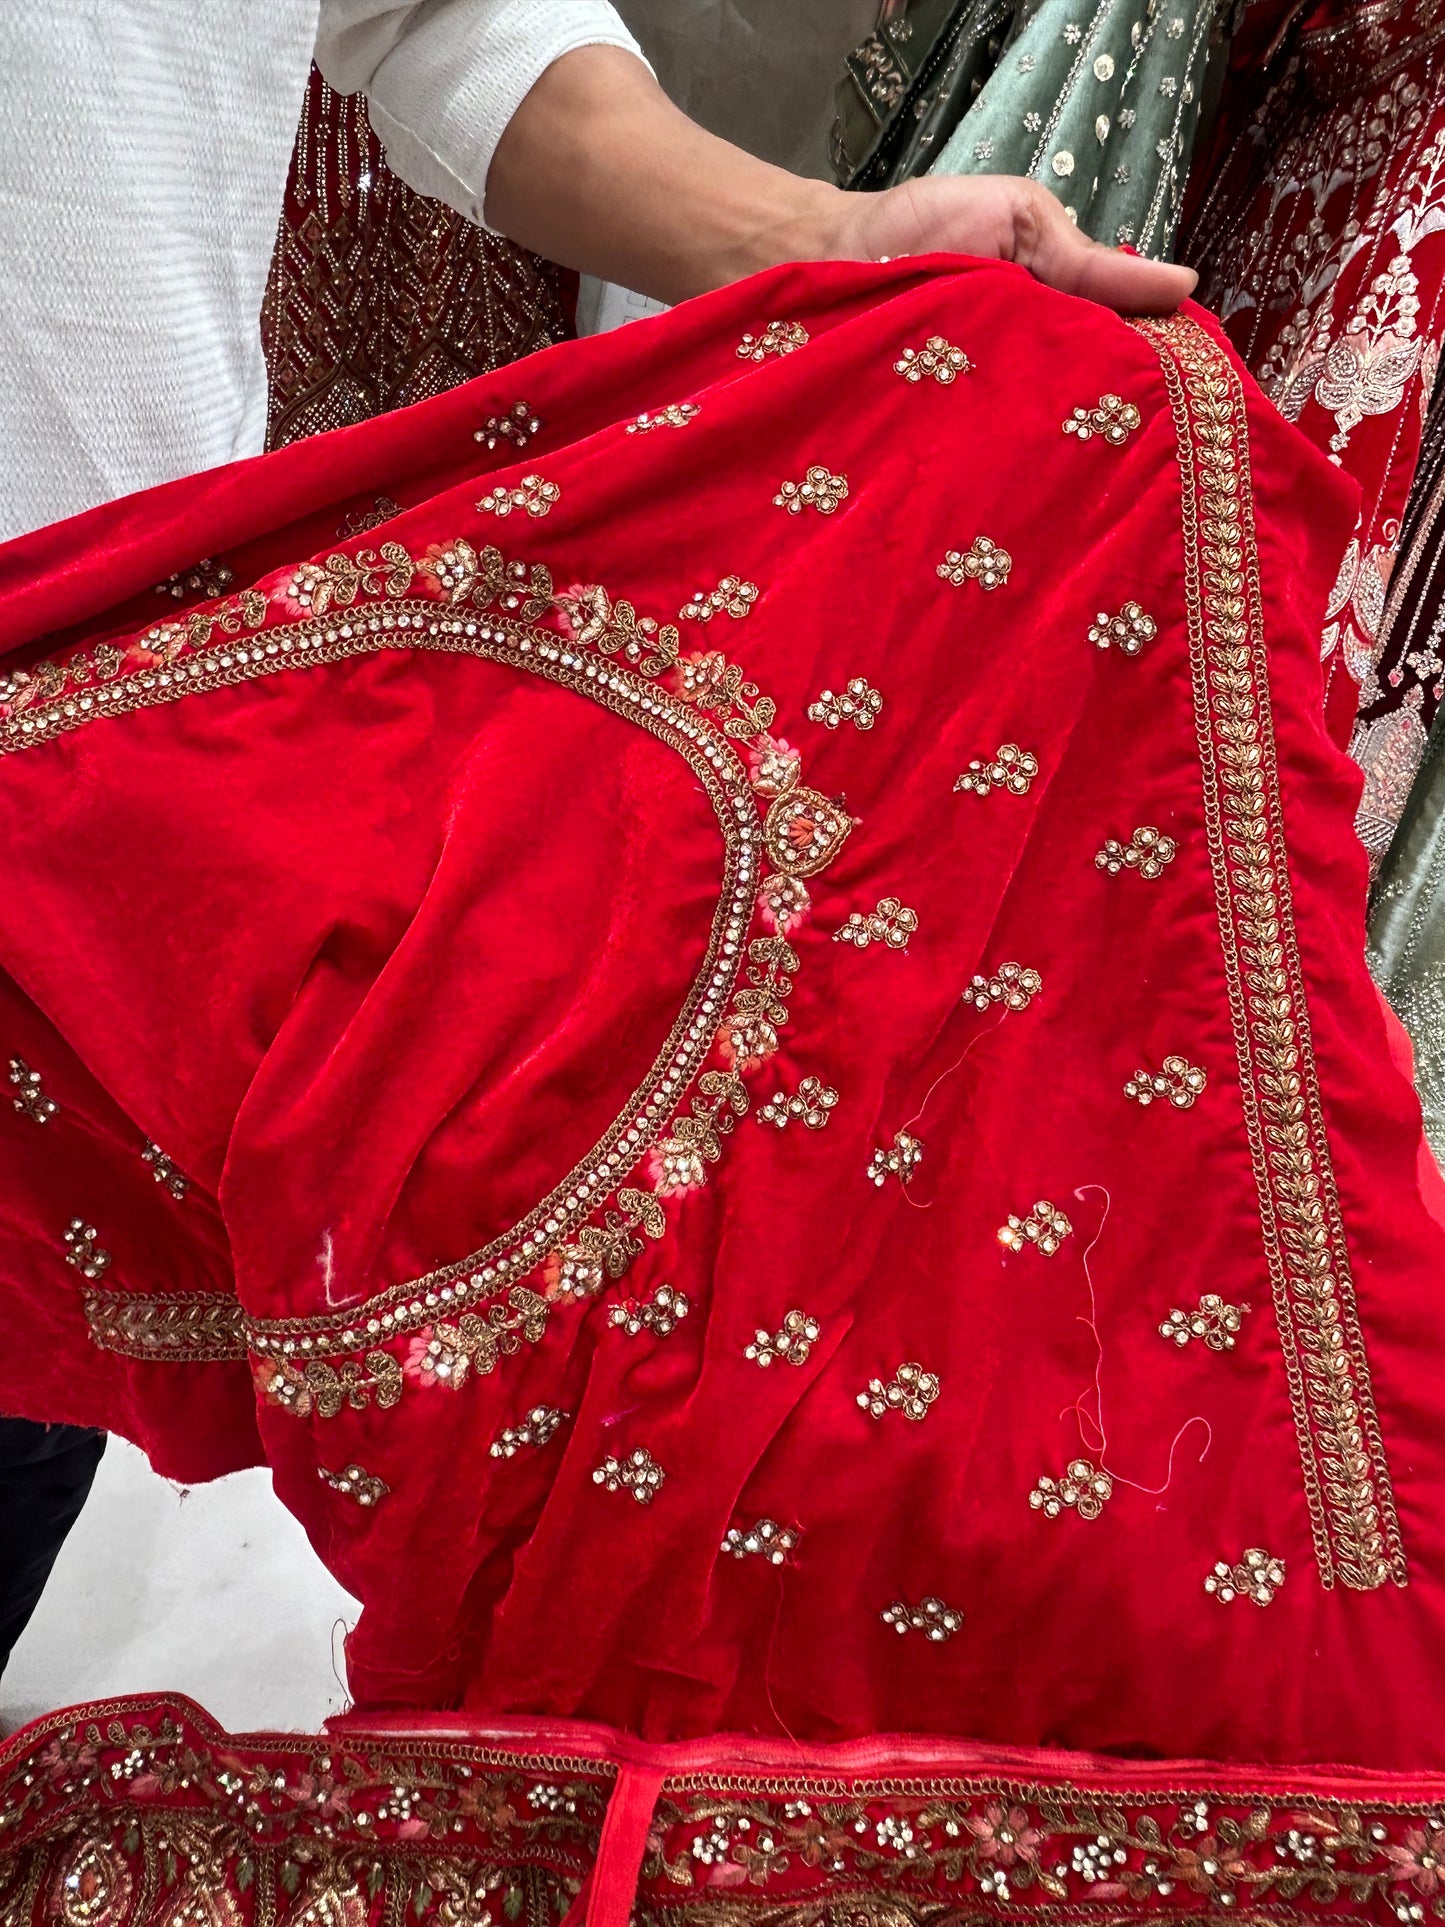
(144,147)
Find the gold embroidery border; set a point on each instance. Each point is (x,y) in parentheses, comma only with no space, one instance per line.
(1346,1478)
(172,1328)
(490,1273)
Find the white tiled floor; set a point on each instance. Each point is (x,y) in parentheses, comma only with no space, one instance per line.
(211,1591)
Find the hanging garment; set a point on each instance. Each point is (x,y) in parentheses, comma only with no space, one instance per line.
(378,296)
(750,1017)
(1407,933)
(1100,103)
(143,1813)
(1321,245)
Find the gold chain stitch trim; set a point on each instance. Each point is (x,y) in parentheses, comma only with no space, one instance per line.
(1346,1478)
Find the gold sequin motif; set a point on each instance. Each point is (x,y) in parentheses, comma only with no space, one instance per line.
(1257,1576)
(82,1251)
(1146,853)
(900,1160)
(1012,769)
(778,338)
(811,1104)
(911,1391)
(517,426)
(1013,985)
(355,1482)
(819,489)
(892,923)
(1178,1082)
(660,1314)
(1045,1228)
(983,562)
(31,1100)
(1114,420)
(732,597)
(164,1171)
(677,414)
(791,1343)
(930,1617)
(1127,632)
(858,704)
(765,1540)
(1214,1322)
(540,1425)
(637,1473)
(1079,1489)
(937,357)
(532,495)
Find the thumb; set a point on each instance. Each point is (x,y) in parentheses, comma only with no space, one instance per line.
(1050,246)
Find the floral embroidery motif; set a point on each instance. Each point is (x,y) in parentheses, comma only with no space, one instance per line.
(1114,420)
(1127,632)
(355,1482)
(910,1391)
(892,923)
(1012,769)
(312,589)
(1258,1576)
(1178,1080)
(1014,986)
(783,903)
(451,568)
(164,1171)
(819,489)
(539,1426)
(1080,1488)
(180,1328)
(858,704)
(517,426)
(532,494)
(1146,852)
(900,1162)
(1045,1228)
(930,1617)
(1346,1477)
(766,1540)
(639,1473)
(31,1101)
(205,578)
(732,596)
(446,1355)
(792,1342)
(659,1314)
(1215,1322)
(677,414)
(811,1104)
(382,509)
(983,562)
(82,1251)
(936,357)
(778,338)
(804,831)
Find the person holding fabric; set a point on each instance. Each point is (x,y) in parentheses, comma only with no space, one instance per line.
(141,162)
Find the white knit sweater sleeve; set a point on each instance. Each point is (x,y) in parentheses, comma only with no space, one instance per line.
(443,78)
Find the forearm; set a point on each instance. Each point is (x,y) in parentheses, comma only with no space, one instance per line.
(599,170)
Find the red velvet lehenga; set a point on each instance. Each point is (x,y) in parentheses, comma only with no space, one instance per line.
(737,1043)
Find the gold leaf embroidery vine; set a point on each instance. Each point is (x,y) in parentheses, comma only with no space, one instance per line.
(1346,1477)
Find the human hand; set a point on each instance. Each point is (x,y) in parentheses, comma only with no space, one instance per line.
(1004,218)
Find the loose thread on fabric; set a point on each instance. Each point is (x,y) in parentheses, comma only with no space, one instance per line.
(339,1630)
(1094,1420)
(768,1659)
(928,1094)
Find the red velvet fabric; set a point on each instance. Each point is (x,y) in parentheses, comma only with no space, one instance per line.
(376,935)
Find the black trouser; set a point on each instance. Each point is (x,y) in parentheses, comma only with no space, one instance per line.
(45,1473)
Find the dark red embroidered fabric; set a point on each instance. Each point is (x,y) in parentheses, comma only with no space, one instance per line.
(757,1006)
(1321,245)
(142,1813)
(379,297)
